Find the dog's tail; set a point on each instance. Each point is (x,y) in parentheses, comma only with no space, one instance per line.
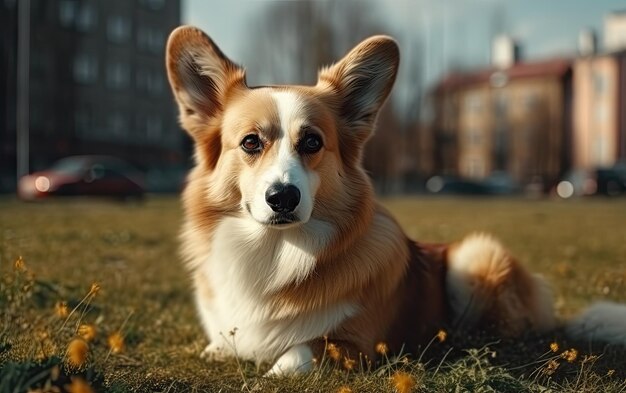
(602,322)
(488,288)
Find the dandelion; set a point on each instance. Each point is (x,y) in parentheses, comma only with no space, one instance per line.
(61,310)
(382,348)
(95,288)
(554,347)
(403,382)
(87,331)
(551,368)
(19,264)
(344,389)
(570,355)
(77,352)
(348,363)
(442,335)
(333,351)
(116,342)
(79,385)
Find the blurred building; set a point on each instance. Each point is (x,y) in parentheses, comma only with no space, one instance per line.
(512,119)
(599,138)
(535,120)
(97,82)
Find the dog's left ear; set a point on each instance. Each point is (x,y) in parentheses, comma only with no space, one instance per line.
(363,80)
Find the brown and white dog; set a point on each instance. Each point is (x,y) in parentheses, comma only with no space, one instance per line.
(286,245)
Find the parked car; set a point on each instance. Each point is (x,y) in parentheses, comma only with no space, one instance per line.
(455,185)
(599,181)
(498,183)
(84,175)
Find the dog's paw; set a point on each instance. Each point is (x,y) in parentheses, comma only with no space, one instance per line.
(298,359)
(214,352)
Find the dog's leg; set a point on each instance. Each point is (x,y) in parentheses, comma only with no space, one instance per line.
(297,359)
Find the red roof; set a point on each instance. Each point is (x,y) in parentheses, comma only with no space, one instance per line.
(456,80)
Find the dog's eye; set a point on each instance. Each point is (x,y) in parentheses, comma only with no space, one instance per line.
(251,144)
(310,144)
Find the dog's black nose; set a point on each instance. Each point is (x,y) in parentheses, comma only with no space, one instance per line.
(282,198)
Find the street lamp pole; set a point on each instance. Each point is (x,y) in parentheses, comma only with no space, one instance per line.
(23,88)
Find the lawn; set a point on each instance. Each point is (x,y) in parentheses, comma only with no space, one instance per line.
(110,273)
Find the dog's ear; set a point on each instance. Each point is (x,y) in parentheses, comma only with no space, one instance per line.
(200,75)
(363,80)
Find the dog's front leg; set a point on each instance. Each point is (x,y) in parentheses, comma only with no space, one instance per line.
(297,359)
(303,357)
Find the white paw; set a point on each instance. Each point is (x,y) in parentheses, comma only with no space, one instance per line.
(214,352)
(298,359)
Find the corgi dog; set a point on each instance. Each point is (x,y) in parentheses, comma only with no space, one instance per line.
(288,250)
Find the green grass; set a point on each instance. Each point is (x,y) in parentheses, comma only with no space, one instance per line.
(131,252)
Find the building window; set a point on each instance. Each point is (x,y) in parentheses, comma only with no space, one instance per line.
(117,75)
(601,113)
(150,40)
(83,121)
(152,4)
(86,18)
(473,102)
(530,101)
(85,68)
(473,137)
(117,124)
(149,81)
(154,127)
(599,83)
(67,13)
(118,29)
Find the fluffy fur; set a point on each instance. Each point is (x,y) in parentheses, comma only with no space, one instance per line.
(277,284)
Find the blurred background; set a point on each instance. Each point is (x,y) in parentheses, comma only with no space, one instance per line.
(493,96)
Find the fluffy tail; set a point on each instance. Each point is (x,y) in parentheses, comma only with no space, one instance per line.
(602,322)
(488,288)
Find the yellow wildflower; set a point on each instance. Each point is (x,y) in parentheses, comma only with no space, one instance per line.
(552,366)
(19,265)
(77,352)
(344,389)
(87,331)
(348,363)
(442,335)
(554,347)
(403,382)
(116,342)
(61,310)
(95,288)
(570,355)
(333,351)
(79,385)
(382,348)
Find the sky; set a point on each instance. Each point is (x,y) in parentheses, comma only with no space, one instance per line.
(452,33)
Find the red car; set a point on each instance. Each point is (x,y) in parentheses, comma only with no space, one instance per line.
(84,175)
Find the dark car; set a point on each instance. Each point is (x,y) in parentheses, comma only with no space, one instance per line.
(456,186)
(598,181)
(84,175)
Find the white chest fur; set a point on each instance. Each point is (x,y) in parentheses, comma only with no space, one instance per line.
(248,263)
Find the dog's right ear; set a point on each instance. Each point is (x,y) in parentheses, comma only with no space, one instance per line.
(200,76)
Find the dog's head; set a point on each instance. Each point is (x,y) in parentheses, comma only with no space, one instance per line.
(277,153)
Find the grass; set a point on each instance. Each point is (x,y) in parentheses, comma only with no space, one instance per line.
(146,336)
